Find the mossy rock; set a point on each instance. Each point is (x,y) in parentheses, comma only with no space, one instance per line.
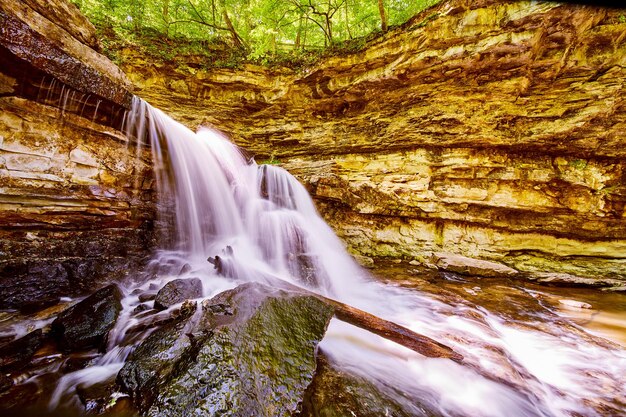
(337,392)
(251,351)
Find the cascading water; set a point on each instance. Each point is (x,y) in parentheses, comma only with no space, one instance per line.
(259,223)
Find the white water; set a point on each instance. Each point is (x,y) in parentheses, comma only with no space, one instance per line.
(261,223)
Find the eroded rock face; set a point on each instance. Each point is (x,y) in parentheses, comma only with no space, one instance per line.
(249,351)
(76,199)
(491,129)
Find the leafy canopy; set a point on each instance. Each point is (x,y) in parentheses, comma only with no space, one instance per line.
(250,29)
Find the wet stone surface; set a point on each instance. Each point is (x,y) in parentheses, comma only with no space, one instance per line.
(177,291)
(18,353)
(87,323)
(336,392)
(249,351)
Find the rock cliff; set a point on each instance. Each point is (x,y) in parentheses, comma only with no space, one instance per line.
(488,129)
(75,198)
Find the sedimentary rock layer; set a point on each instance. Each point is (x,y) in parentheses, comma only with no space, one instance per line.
(76,201)
(490,129)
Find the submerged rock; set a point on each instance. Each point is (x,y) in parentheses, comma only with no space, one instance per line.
(336,392)
(5,382)
(177,291)
(574,303)
(470,266)
(16,354)
(248,351)
(555,278)
(87,323)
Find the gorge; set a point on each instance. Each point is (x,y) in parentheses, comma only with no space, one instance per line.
(481,142)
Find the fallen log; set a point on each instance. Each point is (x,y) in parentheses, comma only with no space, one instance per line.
(419,343)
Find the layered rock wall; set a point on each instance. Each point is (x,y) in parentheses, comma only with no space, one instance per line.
(490,129)
(76,201)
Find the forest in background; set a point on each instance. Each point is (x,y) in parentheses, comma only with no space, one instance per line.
(230,32)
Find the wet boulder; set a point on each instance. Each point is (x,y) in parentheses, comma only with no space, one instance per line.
(18,353)
(177,291)
(87,324)
(249,351)
(339,392)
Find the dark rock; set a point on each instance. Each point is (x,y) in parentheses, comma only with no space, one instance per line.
(96,397)
(251,352)
(19,397)
(123,407)
(32,286)
(177,291)
(337,392)
(47,55)
(87,323)
(147,296)
(140,308)
(18,353)
(5,382)
(185,269)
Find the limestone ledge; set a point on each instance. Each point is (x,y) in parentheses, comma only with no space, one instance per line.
(76,203)
(528,253)
(55,38)
(535,214)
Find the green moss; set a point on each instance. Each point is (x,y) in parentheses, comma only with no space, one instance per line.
(578,164)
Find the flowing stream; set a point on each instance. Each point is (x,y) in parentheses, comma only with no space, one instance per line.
(260,223)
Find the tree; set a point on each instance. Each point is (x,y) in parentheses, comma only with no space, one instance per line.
(253,28)
(383,16)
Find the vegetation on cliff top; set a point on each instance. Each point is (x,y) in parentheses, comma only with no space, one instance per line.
(228,32)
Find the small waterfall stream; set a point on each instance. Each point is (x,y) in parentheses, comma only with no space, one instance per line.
(258,222)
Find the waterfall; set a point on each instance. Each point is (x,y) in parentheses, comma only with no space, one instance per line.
(257,222)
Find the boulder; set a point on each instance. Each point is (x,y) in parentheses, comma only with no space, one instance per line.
(574,303)
(177,291)
(16,354)
(87,324)
(250,352)
(470,266)
(337,392)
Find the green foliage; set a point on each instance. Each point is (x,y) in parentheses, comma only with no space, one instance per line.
(271,161)
(290,32)
(578,164)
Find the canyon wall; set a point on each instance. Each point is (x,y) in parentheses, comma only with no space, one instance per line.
(488,129)
(76,200)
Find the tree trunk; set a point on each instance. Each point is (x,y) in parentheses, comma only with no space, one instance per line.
(296,44)
(391,331)
(166,16)
(383,16)
(347,20)
(237,41)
